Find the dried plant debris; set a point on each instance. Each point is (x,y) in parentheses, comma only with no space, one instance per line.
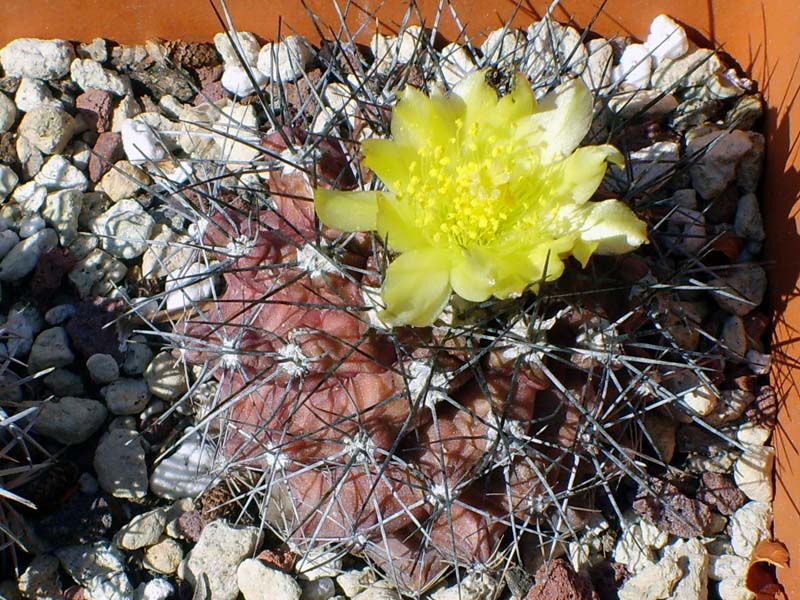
(592,421)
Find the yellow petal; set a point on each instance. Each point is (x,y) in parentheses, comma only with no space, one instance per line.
(519,103)
(347,211)
(528,267)
(396,227)
(582,171)
(583,250)
(417,288)
(419,120)
(614,227)
(472,276)
(563,117)
(389,160)
(484,107)
(480,99)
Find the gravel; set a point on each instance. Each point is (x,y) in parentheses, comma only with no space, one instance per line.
(90,172)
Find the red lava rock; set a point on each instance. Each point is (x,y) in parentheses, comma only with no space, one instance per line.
(607,577)
(211,92)
(95,107)
(282,559)
(191,524)
(719,492)
(50,272)
(207,75)
(557,580)
(763,412)
(87,328)
(107,150)
(672,511)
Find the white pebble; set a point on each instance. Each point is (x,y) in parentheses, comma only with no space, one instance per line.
(753,473)
(237,81)
(635,66)
(139,142)
(124,229)
(701,400)
(257,581)
(90,74)
(246,43)
(40,59)
(187,286)
(32,93)
(30,196)
(60,174)
(185,473)
(155,589)
(285,60)
(667,39)
(748,526)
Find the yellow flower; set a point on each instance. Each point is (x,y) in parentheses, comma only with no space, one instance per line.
(485,196)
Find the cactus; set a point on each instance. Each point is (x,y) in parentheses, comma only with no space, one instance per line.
(425,449)
(21,457)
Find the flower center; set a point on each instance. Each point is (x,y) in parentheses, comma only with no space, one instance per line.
(459,192)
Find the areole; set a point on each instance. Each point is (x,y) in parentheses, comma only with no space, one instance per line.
(761,35)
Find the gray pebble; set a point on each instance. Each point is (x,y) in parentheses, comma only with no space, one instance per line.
(741,290)
(30,225)
(8,239)
(749,223)
(41,580)
(137,356)
(60,313)
(32,93)
(98,567)
(70,420)
(120,464)
(50,349)
(8,113)
(102,368)
(142,531)
(22,258)
(126,396)
(8,179)
(90,74)
(96,273)
(165,377)
(63,382)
